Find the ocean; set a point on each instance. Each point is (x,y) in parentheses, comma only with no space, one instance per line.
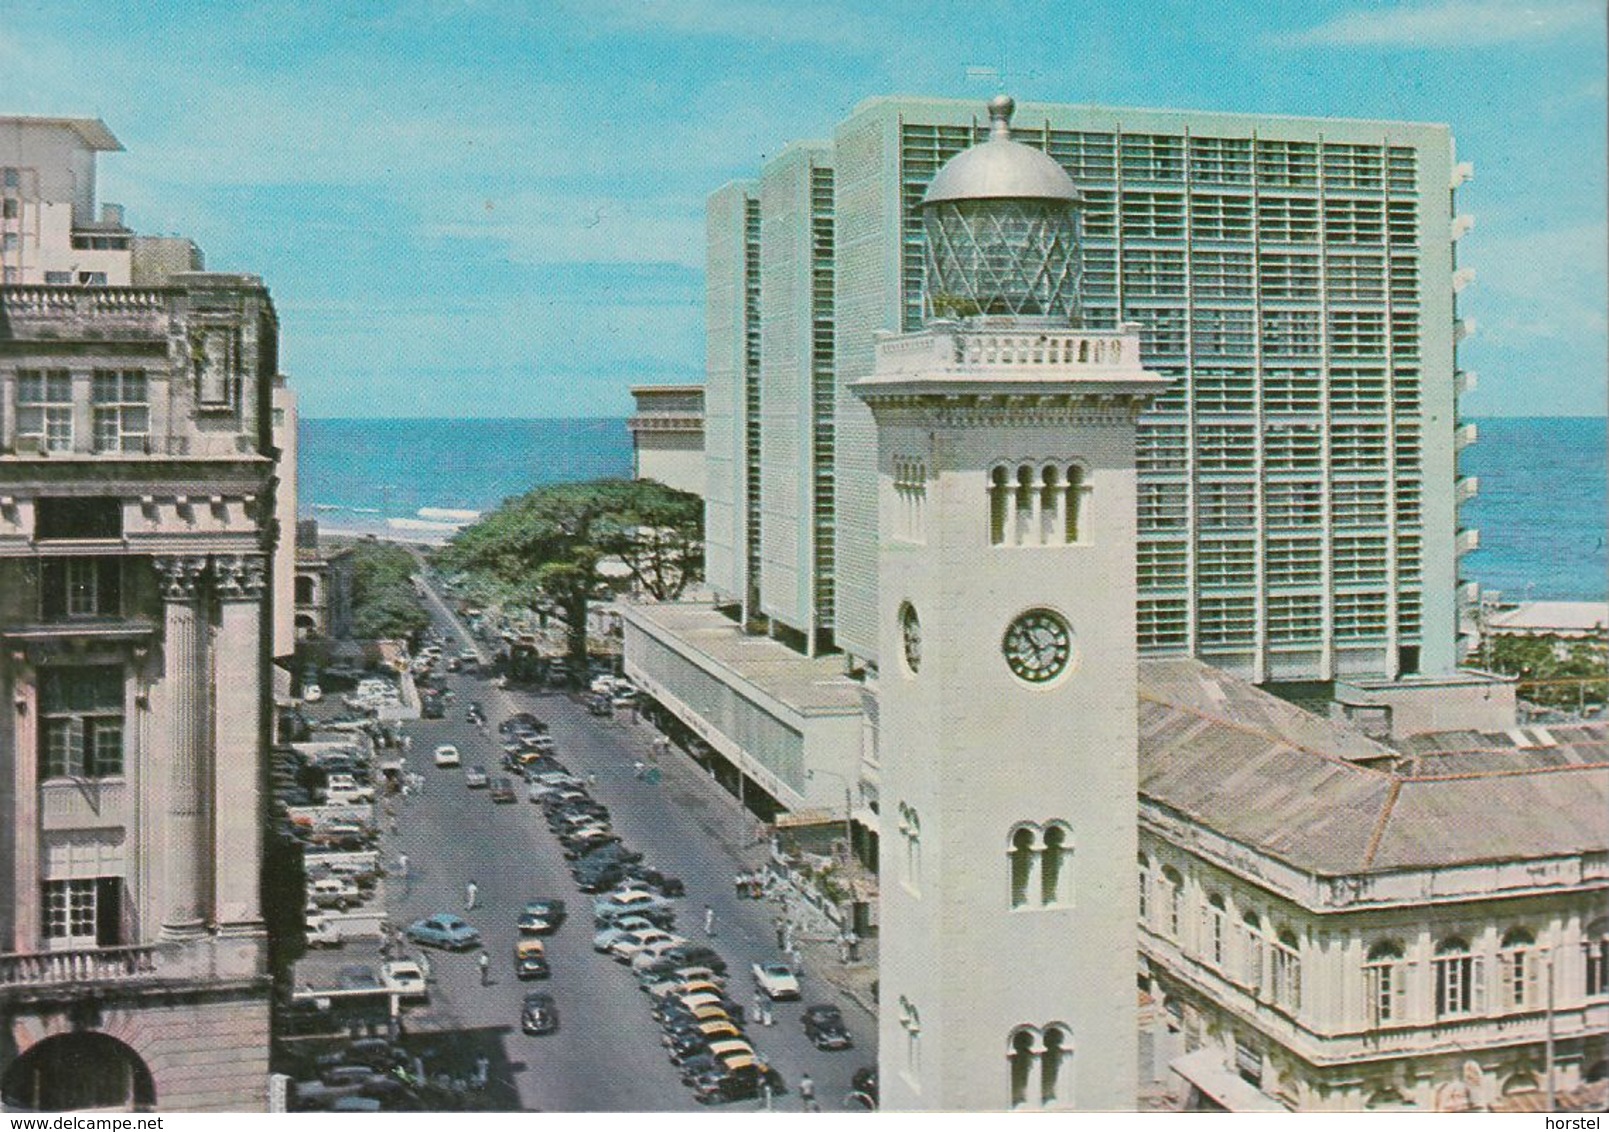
(1542,508)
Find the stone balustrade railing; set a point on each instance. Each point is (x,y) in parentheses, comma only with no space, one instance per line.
(95,965)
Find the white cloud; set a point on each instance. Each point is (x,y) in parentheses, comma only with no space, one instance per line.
(751,20)
(1452,23)
(1545,286)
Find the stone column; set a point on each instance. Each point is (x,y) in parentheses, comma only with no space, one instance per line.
(238,740)
(181,746)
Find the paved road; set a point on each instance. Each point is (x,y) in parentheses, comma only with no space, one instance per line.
(607,1053)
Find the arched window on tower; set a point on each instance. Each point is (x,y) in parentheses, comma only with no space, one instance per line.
(1023,854)
(1216,927)
(1026,497)
(1000,504)
(910,1021)
(1021,1056)
(1039,1061)
(1288,971)
(1056,866)
(1051,501)
(1074,506)
(910,831)
(1145,883)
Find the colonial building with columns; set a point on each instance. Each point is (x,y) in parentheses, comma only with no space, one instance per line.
(137,499)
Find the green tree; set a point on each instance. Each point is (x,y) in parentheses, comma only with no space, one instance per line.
(549,544)
(385,605)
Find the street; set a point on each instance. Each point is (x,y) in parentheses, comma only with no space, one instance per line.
(606,1054)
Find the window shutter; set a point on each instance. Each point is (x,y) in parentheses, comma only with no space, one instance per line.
(53,590)
(1533,978)
(1477,984)
(1401,975)
(109,601)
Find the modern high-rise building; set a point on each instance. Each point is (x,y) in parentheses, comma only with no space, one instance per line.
(1297,278)
(139,474)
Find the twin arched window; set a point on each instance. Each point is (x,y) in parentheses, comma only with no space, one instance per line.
(1041,862)
(1036,505)
(1040,1060)
(910,1021)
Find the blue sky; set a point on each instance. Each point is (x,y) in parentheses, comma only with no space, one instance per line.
(476,208)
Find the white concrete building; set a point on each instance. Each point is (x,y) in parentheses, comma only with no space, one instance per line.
(667,436)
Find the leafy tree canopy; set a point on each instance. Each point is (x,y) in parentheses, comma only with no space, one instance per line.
(549,544)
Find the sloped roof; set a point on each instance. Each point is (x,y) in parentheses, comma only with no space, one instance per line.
(1219,751)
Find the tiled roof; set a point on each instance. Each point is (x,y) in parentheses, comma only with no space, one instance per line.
(1219,751)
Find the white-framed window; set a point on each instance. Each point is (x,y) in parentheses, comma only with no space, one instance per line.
(1460,979)
(1145,883)
(1287,971)
(1386,977)
(45,408)
(1215,931)
(122,411)
(1172,895)
(1596,947)
(80,587)
(81,722)
(1520,964)
(82,912)
(1253,947)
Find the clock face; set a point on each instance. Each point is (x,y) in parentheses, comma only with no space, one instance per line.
(1038,646)
(910,631)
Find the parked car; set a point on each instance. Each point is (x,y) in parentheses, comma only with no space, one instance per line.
(604,938)
(333,892)
(630,904)
(824,1025)
(502,790)
(322,933)
(539,1014)
(736,1081)
(404,979)
(312,693)
(541,917)
(684,955)
(444,930)
(776,980)
(665,885)
(447,755)
(629,945)
(476,778)
(531,960)
(600,705)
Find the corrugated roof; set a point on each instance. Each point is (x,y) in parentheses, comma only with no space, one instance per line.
(1265,773)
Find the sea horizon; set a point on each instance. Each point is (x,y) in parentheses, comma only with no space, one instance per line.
(1542,509)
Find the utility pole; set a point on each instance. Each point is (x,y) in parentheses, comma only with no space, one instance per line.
(1547,1057)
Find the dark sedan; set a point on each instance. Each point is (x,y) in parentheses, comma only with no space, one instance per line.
(539,1015)
(824,1025)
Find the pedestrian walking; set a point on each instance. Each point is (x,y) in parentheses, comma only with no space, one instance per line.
(485,962)
(592,778)
(471,895)
(709,920)
(807,1094)
(759,1006)
(402,865)
(424,966)
(782,934)
(739,883)
(766,1017)
(843,949)
(637,768)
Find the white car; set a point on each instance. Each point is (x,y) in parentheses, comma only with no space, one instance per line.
(624,904)
(404,979)
(605,939)
(312,693)
(776,980)
(447,755)
(631,944)
(322,933)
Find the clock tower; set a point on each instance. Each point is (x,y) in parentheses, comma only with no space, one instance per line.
(1006,685)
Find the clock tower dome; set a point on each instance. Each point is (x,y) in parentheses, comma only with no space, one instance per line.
(1006,689)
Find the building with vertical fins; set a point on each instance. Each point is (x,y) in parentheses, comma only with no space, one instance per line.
(1297,278)
(140,403)
(1005,488)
